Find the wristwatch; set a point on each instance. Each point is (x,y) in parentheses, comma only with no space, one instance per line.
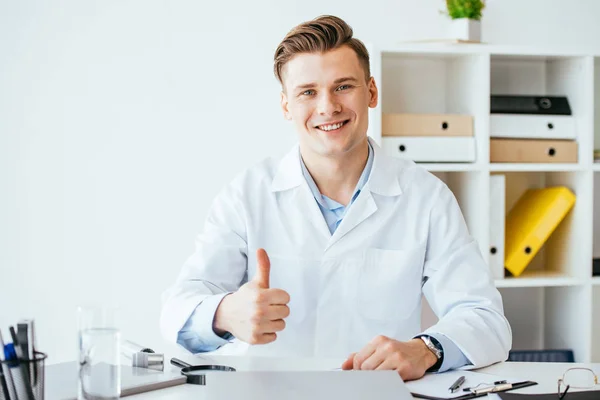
(436,348)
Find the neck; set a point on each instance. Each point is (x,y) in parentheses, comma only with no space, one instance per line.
(336,177)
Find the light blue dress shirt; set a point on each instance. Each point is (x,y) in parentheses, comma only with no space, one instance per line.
(197,334)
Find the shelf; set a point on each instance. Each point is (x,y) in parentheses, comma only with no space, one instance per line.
(547,307)
(533,167)
(430,49)
(443,167)
(539,279)
(443,46)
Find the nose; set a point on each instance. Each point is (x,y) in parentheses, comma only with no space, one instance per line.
(329,104)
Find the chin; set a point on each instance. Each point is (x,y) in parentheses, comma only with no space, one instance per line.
(335,149)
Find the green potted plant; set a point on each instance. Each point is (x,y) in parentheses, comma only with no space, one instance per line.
(466,19)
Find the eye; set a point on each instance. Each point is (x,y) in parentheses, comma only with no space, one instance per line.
(344,87)
(308,92)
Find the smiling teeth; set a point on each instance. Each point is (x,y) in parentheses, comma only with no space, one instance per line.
(331,127)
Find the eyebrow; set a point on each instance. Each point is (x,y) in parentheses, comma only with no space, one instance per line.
(336,82)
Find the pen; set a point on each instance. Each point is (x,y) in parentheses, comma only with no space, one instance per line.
(33,350)
(23,337)
(4,385)
(6,367)
(493,389)
(5,380)
(26,337)
(23,363)
(468,389)
(456,385)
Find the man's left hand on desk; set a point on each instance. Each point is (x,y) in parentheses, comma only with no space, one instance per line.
(411,359)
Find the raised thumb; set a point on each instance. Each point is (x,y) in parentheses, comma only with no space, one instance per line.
(263,269)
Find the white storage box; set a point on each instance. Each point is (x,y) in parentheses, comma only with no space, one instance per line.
(431,149)
(532,126)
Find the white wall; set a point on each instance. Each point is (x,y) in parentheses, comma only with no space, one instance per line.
(120,120)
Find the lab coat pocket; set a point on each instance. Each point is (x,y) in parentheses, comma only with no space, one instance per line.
(389,283)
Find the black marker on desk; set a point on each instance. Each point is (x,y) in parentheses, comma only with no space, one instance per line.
(456,385)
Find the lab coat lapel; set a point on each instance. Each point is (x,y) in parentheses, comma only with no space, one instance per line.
(363,207)
(307,207)
(298,197)
(382,181)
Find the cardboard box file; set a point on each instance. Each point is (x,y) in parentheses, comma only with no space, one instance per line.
(533,150)
(431,149)
(532,126)
(426,125)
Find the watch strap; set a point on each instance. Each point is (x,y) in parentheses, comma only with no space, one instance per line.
(438,346)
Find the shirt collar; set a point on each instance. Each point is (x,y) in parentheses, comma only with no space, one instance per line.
(331,204)
(384,178)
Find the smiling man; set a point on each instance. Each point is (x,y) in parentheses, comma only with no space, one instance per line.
(328,251)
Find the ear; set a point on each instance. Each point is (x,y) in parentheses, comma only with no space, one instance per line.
(373,93)
(284,107)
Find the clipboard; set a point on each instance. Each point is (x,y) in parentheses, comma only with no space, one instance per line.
(517,385)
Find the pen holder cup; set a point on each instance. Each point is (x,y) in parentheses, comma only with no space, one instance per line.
(26,378)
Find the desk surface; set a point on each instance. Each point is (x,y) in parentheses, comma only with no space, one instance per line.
(545,374)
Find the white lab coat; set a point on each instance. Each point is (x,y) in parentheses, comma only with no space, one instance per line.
(364,280)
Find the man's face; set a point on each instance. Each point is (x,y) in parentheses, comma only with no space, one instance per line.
(327,97)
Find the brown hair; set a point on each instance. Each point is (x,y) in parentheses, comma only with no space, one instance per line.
(322,34)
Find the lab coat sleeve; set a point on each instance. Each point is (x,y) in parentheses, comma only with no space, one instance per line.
(460,288)
(218,266)
(453,357)
(197,335)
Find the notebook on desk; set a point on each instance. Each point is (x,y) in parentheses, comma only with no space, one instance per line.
(61,380)
(301,385)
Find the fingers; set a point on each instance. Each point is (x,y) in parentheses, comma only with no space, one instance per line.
(349,363)
(278,312)
(387,364)
(275,297)
(275,326)
(266,323)
(363,355)
(263,338)
(266,331)
(263,269)
(374,361)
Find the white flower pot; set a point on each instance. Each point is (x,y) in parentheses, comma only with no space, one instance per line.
(465,29)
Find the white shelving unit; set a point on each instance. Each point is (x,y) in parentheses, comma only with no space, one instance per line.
(555,304)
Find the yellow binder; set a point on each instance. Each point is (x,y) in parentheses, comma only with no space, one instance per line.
(531,221)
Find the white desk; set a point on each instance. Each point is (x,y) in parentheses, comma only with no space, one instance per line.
(545,374)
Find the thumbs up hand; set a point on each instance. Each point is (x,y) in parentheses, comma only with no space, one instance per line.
(255,312)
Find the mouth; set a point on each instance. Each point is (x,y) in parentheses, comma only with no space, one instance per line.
(332,126)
